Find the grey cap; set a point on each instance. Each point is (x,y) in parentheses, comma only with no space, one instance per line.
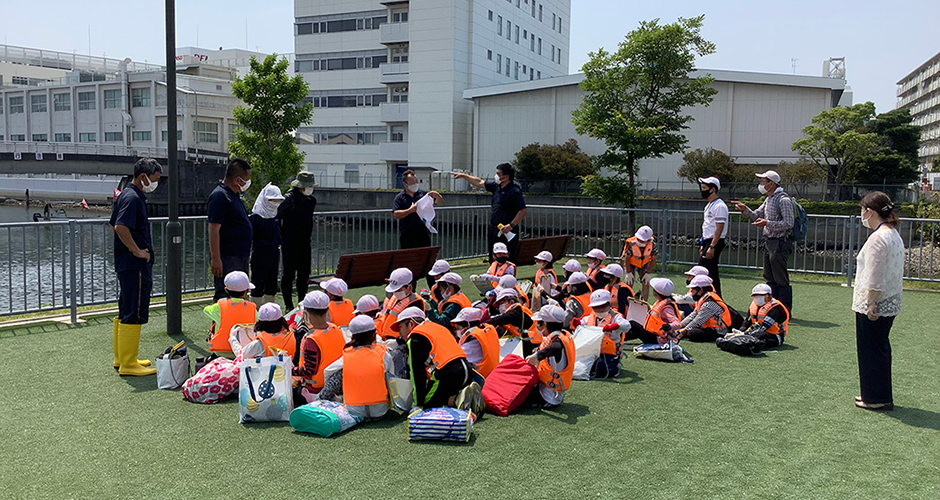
(304,179)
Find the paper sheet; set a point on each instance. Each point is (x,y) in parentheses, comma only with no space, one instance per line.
(637,311)
(426,211)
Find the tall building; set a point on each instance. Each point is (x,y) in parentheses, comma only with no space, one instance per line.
(919,92)
(387,78)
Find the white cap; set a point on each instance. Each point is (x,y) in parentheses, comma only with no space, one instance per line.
(596,253)
(467,315)
(613,270)
(770,174)
(507,281)
(599,297)
(452,278)
(544,255)
(336,286)
(269,312)
(506,292)
(440,267)
(500,247)
(361,324)
(761,289)
(237,281)
(663,286)
(710,180)
(399,278)
(409,313)
(697,271)
(572,266)
(550,314)
(316,300)
(645,233)
(577,278)
(700,282)
(367,303)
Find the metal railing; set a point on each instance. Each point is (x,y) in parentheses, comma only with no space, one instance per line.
(69,264)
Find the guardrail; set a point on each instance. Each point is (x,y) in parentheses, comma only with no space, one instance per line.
(69,264)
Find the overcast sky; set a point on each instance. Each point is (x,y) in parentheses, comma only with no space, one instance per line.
(881,40)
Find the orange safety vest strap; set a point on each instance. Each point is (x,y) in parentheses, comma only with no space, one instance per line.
(655,321)
(444,347)
(758,315)
(638,256)
(558,381)
(331,343)
(232,312)
(342,312)
(488,339)
(725,312)
(364,375)
(459,298)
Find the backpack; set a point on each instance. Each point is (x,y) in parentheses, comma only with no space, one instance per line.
(800,220)
(742,345)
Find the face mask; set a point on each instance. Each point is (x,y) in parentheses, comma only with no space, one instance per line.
(761,189)
(308,191)
(502,260)
(706,194)
(503,307)
(601,311)
(244,187)
(411,188)
(602,279)
(150,187)
(760,300)
(270,205)
(864,220)
(446,295)
(400,294)
(496,177)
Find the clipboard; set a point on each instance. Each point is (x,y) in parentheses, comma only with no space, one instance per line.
(637,311)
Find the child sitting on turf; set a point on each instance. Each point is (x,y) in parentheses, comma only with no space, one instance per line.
(341,310)
(321,345)
(555,357)
(545,277)
(272,330)
(229,312)
(663,318)
(360,374)
(479,342)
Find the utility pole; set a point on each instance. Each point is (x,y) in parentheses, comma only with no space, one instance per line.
(174,231)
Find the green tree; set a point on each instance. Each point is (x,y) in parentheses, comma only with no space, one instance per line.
(798,176)
(545,161)
(634,101)
(271,115)
(895,160)
(935,166)
(837,139)
(706,163)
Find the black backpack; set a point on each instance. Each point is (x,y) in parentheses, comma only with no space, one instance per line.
(742,345)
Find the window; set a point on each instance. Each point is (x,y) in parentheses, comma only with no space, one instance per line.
(489,55)
(559,24)
(62,102)
(524,69)
(515,70)
(206,131)
(499,62)
(517,34)
(507,66)
(164,135)
(40,137)
(112,99)
(400,16)
(559,55)
(37,103)
(1,105)
(489,16)
(141,136)
(87,137)
(361,59)
(553,22)
(114,137)
(66,137)
(517,3)
(305,28)
(398,133)
(18,137)
(553,52)
(400,53)
(532,43)
(533,8)
(540,46)
(140,98)
(86,101)
(232,131)
(400,93)
(540,12)
(508,29)
(499,25)
(351,174)
(17,106)
(532,75)
(525,34)
(539,76)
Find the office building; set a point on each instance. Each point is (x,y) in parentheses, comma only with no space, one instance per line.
(919,92)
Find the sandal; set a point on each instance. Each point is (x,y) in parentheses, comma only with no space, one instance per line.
(875,406)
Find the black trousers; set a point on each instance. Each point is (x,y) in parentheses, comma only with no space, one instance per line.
(712,264)
(638,332)
(296,260)
(776,259)
(702,334)
(493,235)
(414,239)
(134,298)
(265,263)
(874,358)
(229,263)
(770,340)
(447,382)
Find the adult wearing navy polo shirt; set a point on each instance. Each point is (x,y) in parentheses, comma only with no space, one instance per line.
(133,262)
(507,208)
(229,228)
(412,231)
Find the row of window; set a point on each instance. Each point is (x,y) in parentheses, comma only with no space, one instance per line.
(513,70)
(334,62)
(204,132)
(556,19)
(537,48)
(338,23)
(140,98)
(339,136)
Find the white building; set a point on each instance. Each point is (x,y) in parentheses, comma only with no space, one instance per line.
(754,117)
(387,78)
(919,92)
(237,59)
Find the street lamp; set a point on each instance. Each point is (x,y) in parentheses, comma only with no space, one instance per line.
(174,231)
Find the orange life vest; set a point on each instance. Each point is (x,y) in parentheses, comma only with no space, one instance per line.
(364,375)
(390,311)
(444,347)
(331,342)
(532,334)
(638,256)
(585,300)
(592,272)
(496,269)
(557,381)
(615,290)
(539,274)
(283,340)
(655,322)
(232,312)
(757,316)
(488,339)
(458,298)
(725,312)
(342,312)
(608,345)
(522,296)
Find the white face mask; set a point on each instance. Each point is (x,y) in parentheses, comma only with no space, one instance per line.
(446,295)
(503,307)
(150,187)
(244,187)
(760,300)
(400,294)
(496,177)
(411,188)
(761,189)
(308,191)
(864,220)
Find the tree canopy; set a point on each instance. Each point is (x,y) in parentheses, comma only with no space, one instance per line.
(546,161)
(634,98)
(895,159)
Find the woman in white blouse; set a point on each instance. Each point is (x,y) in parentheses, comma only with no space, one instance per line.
(877,300)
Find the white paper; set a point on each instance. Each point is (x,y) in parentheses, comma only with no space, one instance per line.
(425,211)
(637,311)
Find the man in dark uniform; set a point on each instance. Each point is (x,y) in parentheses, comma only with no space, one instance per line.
(133,262)
(412,232)
(507,206)
(296,216)
(229,228)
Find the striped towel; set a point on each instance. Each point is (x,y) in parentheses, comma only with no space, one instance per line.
(440,424)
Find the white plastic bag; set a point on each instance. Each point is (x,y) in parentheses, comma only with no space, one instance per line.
(172,368)
(265,393)
(587,345)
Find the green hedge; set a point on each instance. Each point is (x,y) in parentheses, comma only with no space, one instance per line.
(835,207)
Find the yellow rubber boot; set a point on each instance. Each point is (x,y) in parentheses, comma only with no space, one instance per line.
(117,362)
(128,343)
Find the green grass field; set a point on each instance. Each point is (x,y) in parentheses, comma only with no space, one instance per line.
(781,425)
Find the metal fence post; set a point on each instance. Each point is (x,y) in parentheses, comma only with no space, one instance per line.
(73,296)
(664,223)
(850,257)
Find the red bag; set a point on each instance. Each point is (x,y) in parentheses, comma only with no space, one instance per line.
(509,384)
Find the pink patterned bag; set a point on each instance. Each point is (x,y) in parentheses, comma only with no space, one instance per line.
(212,383)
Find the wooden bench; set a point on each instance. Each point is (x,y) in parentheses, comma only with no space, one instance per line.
(557,245)
(370,269)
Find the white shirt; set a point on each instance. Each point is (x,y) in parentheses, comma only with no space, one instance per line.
(880,267)
(715,212)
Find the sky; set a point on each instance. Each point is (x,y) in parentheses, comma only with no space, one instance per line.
(880,41)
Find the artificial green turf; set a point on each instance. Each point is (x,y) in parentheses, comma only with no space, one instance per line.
(781,425)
